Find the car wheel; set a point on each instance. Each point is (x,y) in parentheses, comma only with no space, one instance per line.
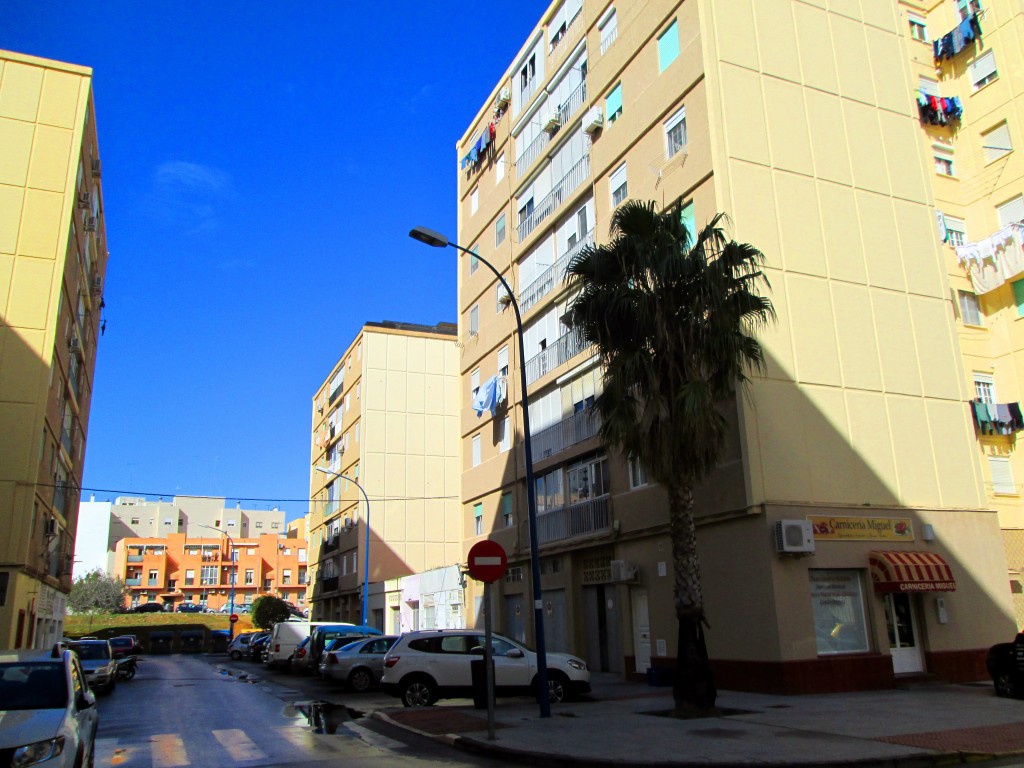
(558,687)
(1005,685)
(360,680)
(419,692)
(236,655)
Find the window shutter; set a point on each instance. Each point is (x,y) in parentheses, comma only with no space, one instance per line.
(668,46)
(690,220)
(614,101)
(1011,212)
(983,66)
(928,87)
(1002,476)
(1018,296)
(997,142)
(618,177)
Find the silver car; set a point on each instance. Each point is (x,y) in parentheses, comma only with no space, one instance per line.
(358,665)
(47,712)
(98,663)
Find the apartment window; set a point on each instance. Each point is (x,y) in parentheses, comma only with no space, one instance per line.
(943,161)
(504,435)
(918,27)
(970,309)
(1018,296)
(135,521)
(527,79)
(251,550)
(478,519)
(190,577)
(286,576)
(550,495)
(983,70)
(637,473)
(348,400)
(996,142)
(476,450)
(967,7)
(474,320)
(1002,475)
(359,390)
(587,479)
(956,231)
(675,132)
(268,584)
(503,361)
(250,576)
(499,168)
(1011,212)
(168,522)
(474,262)
(259,524)
(506,510)
(231,523)
(613,103)
(609,26)
(499,231)
(208,575)
(275,526)
(474,200)
(668,46)
(985,388)
(474,383)
(618,185)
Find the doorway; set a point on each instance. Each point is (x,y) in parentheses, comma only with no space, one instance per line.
(904,640)
(641,630)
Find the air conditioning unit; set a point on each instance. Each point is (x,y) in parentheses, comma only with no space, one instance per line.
(504,97)
(593,120)
(83,200)
(794,537)
(90,223)
(97,284)
(349,524)
(623,570)
(552,123)
(97,167)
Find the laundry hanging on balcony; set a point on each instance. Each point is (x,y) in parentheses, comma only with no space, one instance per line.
(992,261)
(938,110)
(996,418)
(486,398)
(479,150)
(962,35)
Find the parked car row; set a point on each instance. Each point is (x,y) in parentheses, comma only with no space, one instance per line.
(187,607)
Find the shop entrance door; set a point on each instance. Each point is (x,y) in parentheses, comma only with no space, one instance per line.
(904,644)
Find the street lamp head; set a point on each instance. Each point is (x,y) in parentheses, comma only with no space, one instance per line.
(428,236)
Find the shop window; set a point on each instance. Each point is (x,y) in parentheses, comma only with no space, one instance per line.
(837,601)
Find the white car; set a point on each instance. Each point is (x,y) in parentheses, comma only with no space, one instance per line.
(47,711)
(432,664)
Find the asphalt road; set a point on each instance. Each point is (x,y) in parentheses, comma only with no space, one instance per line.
(185,710)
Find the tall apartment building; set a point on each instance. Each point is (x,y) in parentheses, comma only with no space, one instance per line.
(179,568)
(53,258)
(191,515)
(971,119)
(386,418)
(846,536)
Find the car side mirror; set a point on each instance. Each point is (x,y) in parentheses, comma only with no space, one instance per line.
(514,653)
(86,699)
(477,650)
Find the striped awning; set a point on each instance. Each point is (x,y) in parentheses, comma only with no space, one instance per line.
(901,571)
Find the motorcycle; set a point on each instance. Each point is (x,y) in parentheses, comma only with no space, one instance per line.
(126,667)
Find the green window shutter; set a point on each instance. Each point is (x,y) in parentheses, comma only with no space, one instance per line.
(1018,296)
(613,104)
(478,510)
(668,46)
(690,221)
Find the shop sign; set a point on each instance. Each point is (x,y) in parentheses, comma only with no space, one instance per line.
(862,528)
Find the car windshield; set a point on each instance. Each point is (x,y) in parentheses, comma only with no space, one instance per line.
(121,642)
(41,685)
(91,651)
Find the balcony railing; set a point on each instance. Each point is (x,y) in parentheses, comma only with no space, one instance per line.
(563,350)
(531,153)
(134,558)
(581,519)
(554,198)
(552,276)
(608,38)
(566,433)
(329,585)
(330,545)
(561,34)
(153,582)
(137,582)
(571,104)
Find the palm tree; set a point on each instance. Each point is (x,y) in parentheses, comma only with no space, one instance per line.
(673,319)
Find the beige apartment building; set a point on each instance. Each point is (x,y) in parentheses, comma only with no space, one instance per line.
(848,535)
(53,259)
(385,420)
(138,517)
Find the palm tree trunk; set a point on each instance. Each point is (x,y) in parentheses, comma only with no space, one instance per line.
(693,685)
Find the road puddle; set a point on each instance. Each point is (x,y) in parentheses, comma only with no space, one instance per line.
(322,716)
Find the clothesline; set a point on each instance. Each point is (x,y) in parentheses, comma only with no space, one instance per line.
(991,262)
(962,35)
(997,418)
(938,110)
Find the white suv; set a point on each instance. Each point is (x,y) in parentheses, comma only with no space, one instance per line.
(432,664)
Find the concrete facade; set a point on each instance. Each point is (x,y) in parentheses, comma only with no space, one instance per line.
(387,418)
(799,120)
(53,260)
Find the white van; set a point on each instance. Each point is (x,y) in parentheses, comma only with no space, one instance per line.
(285,638)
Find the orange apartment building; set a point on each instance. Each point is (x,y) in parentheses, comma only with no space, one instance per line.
(178,569)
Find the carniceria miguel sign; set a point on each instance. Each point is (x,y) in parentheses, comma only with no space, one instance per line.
(862,528)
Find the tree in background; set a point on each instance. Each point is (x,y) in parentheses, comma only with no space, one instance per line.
(97,593)
(268,610)
(673,317)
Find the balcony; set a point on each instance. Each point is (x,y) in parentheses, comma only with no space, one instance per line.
(531,153)
(571,104)
(329,585)
(134,558)
(581,519)
(563,350)
(329,545)
(330,508)
(153,582)
(555,197)
(136,582)
(566,433)
(553,275)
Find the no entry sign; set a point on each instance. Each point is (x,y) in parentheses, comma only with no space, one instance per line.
(487,561)
(233,618)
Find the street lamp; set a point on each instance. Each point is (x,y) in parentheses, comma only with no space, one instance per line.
(234,570)
(438,240)
(366,557)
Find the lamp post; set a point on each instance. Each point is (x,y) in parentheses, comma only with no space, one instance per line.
(437,240)
(234,571)
(366,557)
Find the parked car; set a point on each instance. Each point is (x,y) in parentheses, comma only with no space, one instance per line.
(46,708)
(98,664)
(322,635)
(1005,663)
(239,646)
(297,661)
(124,645)
(357,665)
(148,608)
(257,645)
(239,608)
(189,608)
(431,664)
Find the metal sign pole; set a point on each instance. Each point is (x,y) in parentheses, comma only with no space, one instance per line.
(489,661)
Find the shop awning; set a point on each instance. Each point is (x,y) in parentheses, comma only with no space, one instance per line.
(902,571)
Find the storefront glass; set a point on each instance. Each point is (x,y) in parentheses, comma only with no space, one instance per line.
(840,624)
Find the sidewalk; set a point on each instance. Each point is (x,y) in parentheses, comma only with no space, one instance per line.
(625,722)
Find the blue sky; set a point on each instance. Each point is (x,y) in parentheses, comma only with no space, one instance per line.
(262,166)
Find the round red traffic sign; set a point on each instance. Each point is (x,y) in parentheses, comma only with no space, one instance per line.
(487,561)
(233,618)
